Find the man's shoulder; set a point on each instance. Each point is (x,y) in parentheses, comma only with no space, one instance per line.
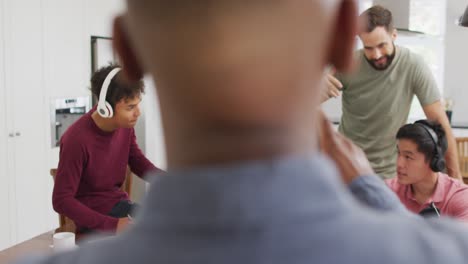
(452,185)
(409,57)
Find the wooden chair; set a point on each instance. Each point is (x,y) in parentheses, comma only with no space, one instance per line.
(66,224)
(462,147)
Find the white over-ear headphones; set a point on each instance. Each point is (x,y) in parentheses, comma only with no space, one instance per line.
(104,108)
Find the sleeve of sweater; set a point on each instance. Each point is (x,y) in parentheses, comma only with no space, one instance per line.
(137,161)
(72,160)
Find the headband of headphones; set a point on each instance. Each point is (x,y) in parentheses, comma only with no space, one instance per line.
(429,130)
(104,108)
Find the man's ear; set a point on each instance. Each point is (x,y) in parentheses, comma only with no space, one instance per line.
(394,34)
(121,45)
(344,36)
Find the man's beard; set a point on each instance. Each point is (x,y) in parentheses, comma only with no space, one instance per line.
(390,58)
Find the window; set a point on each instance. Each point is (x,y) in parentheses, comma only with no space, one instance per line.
(364,4)
(427,16)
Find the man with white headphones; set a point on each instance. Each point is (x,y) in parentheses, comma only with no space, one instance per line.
(94,153)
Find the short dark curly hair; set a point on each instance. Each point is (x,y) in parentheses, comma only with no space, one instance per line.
(118,88)
(376,16)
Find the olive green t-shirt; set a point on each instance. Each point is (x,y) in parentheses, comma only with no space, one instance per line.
(377,103)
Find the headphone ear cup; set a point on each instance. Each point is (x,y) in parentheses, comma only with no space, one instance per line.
(437,164)
(102,111)
(110,111)
(440,164)
(105,110)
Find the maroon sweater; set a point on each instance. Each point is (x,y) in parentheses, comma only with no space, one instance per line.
(91,170)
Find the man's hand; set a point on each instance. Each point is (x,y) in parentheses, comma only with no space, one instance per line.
(122,224)
(333,87)
(349,159)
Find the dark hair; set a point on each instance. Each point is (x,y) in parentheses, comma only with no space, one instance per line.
(118,88)
(417,133)
(376,16)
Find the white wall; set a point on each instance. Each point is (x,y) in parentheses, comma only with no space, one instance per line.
(456,61)
(332,109)
(149,131)
(155,149)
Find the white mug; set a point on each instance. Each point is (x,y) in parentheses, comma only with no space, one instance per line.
(64,241)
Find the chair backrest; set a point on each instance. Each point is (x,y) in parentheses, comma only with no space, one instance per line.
(66,224)
(462,147)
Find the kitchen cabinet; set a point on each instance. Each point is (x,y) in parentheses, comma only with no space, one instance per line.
(22,124)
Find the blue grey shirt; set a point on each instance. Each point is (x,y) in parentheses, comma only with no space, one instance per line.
(290,210)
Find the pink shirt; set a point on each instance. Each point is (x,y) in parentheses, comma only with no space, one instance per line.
(450,196)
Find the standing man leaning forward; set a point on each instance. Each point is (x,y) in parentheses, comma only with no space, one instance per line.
(377,97)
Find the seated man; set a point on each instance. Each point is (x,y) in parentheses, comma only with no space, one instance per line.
(420,183)
(94,153)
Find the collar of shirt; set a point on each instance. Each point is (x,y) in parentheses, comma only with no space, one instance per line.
(437,196)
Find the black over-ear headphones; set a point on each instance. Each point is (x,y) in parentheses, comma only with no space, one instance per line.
(437,163)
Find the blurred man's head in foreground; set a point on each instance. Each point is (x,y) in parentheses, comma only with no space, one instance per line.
(236,80)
